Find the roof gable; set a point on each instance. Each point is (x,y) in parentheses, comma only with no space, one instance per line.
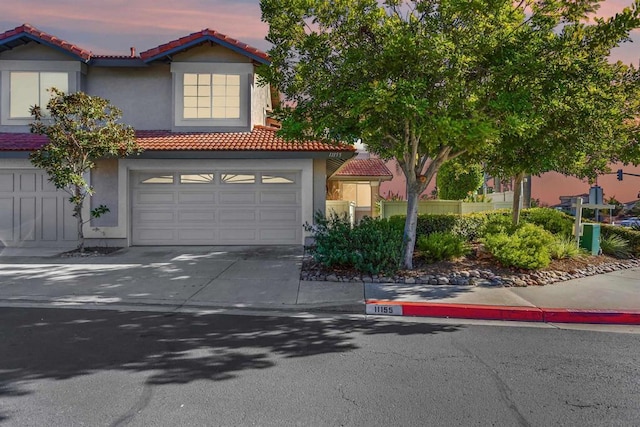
(195,39)
(26,33)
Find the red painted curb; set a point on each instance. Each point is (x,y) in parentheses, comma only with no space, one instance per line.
(512,313)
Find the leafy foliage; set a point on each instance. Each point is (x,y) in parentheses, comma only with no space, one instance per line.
(564,247)
(551,220)
(630,235)
(616,246)
(372,246)
(81,129)
(456,179)
(527,247)
(440,246)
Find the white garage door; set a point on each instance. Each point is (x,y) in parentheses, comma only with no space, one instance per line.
(216,208)
(32,212)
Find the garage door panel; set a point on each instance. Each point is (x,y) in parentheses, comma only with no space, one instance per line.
(46,185)
(195,236)
(279,215)
(157,234)
(69,223)
(49,227)
(6,219)
(6,182)
(27,218)
(240,235)
(236,197)
(269,197)
(28,182)
(279,234)
(156,216)
(196,197)
(156,197)
(196,216)
(236,215)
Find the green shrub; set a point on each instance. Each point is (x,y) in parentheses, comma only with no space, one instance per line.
(564,247)
(456,179)
(442,246)
(527,247)
(552,220)
(630,235)
(496,224)
(615,246)
(372,246)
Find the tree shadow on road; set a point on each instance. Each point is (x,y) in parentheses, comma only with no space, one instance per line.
(174,348)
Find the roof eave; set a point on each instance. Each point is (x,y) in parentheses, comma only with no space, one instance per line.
(44,42)
(202,39)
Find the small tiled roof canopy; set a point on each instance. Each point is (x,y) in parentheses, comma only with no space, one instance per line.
(260,139)
(364,169)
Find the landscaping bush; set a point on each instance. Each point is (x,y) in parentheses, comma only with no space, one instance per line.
(496,224)
(527,247)
(552,220)
(372,246)
(631,236)
(440,246)
(465,226)
(615,246)
(564,247)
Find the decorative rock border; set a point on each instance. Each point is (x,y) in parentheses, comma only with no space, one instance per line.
(477,277)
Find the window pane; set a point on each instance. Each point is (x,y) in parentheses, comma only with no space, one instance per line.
(190,113)
(232,112)
(191,91)
(157,179)
(278,179)
(24,93)
(190,101)
(204,101)
(232,101)
(219,79)
(233,80)
(204,113)
(204,79)
(233,91)
(190,79)
(200,178)
(219,112)
(231,178)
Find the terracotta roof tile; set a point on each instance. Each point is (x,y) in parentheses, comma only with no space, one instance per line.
(260,139)
(204,35)
(33,33)
(364,167)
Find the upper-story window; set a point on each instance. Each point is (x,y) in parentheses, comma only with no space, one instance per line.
(25,83)
(29,88)
(212,95)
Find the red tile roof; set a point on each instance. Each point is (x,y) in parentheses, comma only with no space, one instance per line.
(364,168)
(30,32)
(260,139)
(199,37)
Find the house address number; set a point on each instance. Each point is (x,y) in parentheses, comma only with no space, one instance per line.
(335,155)
(389,310)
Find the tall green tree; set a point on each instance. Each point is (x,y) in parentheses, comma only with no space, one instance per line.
(414,79)
(569,110)
(406,77)
(81,129)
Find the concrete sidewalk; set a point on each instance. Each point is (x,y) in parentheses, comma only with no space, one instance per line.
(268,278)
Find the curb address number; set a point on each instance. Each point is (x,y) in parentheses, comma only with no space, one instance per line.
(389,310)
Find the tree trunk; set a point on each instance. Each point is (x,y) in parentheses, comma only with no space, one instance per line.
(517,196)
(410,226)
(78,201)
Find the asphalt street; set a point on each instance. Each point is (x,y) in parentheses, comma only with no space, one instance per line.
(61,367)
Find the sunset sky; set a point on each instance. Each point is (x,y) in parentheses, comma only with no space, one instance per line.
(113,26)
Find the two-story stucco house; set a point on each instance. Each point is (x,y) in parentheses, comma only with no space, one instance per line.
(213,171)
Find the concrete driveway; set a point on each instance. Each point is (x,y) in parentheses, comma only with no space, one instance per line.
(174,276)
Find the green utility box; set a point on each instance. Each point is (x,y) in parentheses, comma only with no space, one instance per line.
(590,239)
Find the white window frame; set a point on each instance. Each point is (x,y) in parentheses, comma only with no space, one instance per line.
(179,69)
(72,68)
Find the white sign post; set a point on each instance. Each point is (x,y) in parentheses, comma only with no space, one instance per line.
(579,205)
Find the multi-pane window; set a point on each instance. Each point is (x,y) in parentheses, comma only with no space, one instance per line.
(211,96)
(29,88)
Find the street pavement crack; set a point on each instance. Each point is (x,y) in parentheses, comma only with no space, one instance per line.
(141,403)
(503,388)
